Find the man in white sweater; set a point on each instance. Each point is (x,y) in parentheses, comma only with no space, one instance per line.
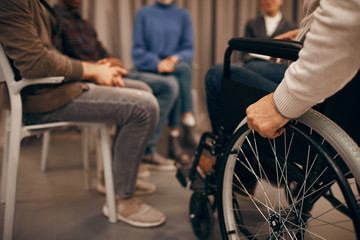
(329,59)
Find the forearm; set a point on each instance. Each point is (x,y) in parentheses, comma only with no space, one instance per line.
(145,61)
(185,55)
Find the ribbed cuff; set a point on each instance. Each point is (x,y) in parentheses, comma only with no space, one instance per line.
(77,71)
(288,105)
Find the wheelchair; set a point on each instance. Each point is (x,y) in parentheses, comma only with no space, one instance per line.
(301,185)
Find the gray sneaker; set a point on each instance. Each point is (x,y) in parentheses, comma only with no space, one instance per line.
(135,212)
(158,163)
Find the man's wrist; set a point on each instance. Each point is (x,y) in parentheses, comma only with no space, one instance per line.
(89,71)
(277,109)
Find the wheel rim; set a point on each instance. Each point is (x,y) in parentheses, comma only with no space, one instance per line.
(283,204)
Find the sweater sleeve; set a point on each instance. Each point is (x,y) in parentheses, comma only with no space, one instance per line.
(329,59)
(185,52)
(22,43)
(143,59)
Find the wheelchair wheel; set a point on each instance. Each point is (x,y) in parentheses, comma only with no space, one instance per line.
(201,215)
(306,183)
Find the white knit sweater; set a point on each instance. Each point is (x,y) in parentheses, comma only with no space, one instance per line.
(329,59)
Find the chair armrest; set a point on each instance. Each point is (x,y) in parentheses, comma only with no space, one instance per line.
(279,48)
(25,82)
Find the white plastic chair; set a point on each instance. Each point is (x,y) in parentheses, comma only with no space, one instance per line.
(15,131)
(88,146)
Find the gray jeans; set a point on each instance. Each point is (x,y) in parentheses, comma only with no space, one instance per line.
(135,113)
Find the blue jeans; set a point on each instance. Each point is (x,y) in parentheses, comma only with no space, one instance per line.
(134,112)
(184,102)
(166,91)
(182,76)
(263,75)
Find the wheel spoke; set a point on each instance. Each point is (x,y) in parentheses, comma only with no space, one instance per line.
(303,186)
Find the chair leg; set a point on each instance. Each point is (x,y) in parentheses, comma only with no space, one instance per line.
(5,160)
(109,182)
(98,156)
(45,150)
(85,154)
(11,183)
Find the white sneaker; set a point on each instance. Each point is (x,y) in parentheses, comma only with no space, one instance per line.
(158,163)
(135,212)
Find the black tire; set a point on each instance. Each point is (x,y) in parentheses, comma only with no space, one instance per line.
(307,183)
(201,215)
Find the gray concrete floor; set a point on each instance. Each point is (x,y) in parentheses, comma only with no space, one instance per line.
(54,204)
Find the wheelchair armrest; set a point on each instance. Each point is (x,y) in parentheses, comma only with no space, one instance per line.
(285,49)
(25,82)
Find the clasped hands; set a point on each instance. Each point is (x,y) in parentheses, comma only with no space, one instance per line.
(108,72)
(167,65)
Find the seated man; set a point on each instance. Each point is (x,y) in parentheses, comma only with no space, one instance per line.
(257,71)
(78,39)
(327,62)
(26,34)
(269,24)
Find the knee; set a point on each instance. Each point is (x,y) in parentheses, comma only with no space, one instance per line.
(171,86)
(184,69)
(149,108)
(146,87)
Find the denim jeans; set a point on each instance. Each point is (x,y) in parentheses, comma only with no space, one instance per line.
(135,113)
(182,76)
(184,102)
(166,91)
(263,75)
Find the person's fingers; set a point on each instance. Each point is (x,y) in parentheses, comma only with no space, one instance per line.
(165,68)
(121,82)
(102,61)
(121,71)
(250,124)
(117,81)
(277,133)
(273,59)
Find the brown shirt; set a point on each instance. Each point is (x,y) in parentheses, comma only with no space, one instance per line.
(27,28)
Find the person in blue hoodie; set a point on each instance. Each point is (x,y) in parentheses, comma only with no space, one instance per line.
(163,44)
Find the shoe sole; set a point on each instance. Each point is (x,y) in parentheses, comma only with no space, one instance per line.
(133,223)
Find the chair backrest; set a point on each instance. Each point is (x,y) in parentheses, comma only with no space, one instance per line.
(15,84)
(6,77)
(6,72)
